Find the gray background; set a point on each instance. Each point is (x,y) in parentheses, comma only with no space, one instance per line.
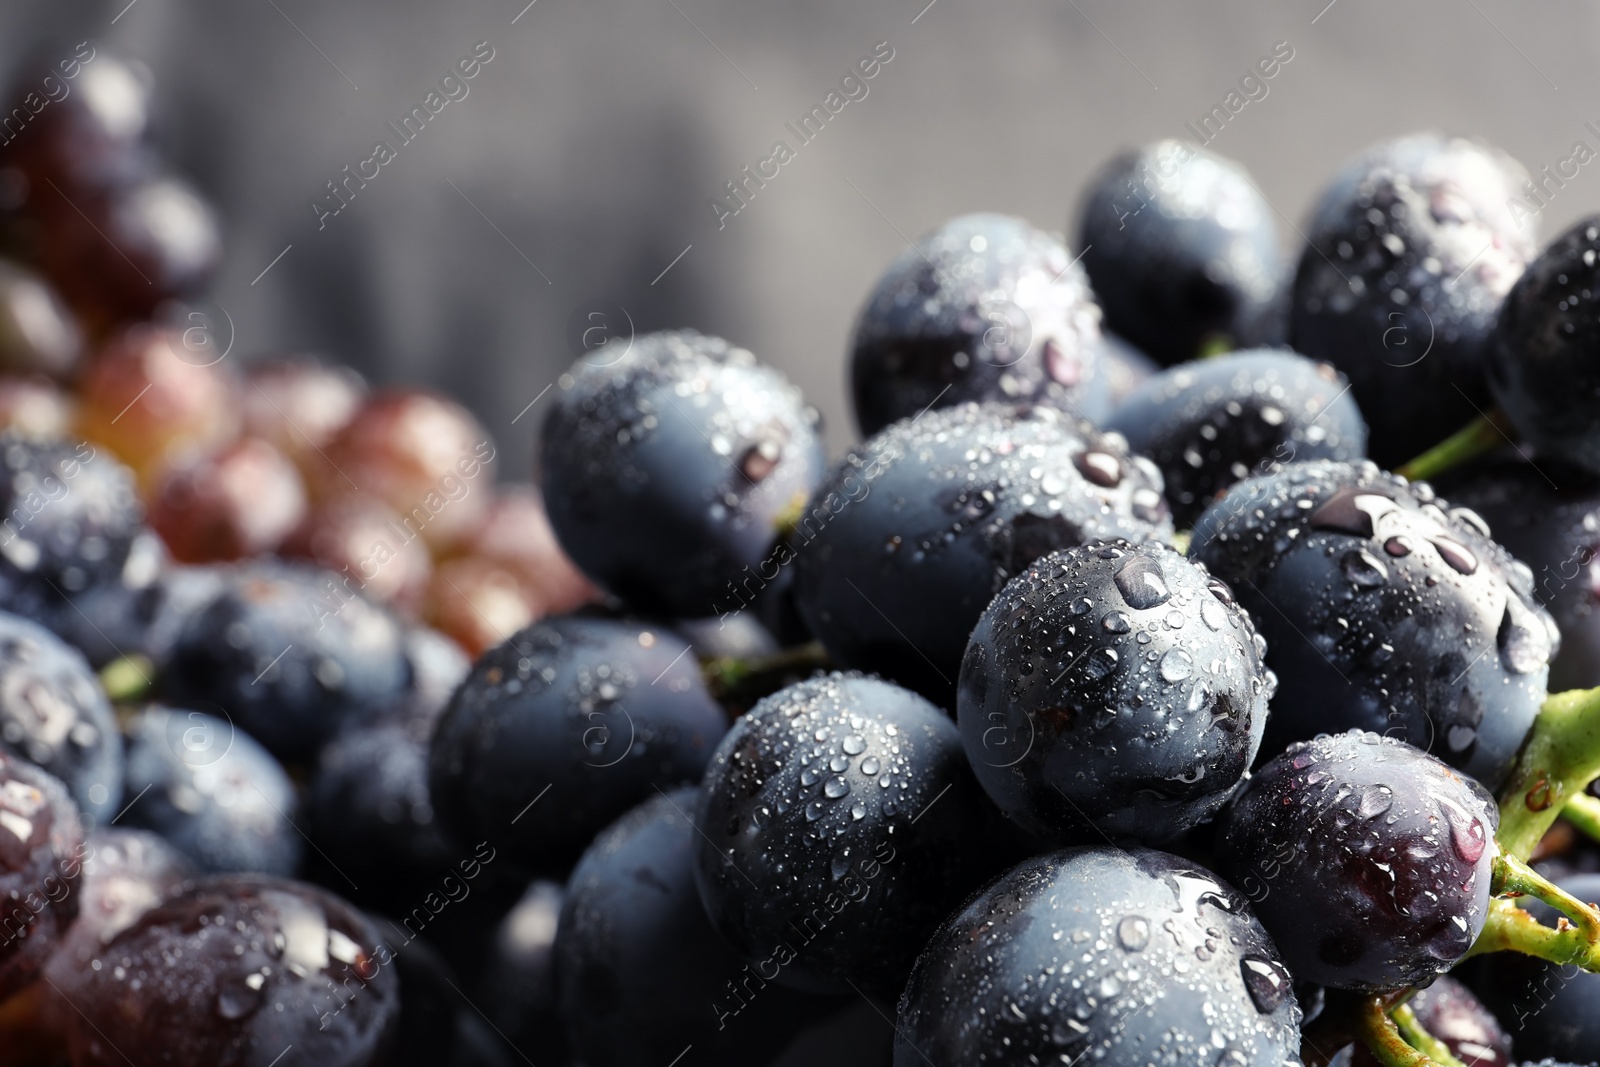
(585,155)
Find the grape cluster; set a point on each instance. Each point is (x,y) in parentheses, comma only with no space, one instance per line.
(1105,704)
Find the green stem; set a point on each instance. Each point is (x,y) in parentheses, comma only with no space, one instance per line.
(1558,761)
(1511,929)
(729,677)
(1383,1037)
(127,678)
(1513,877)
(1583,812)
(1417,1036)
(787,520)
(1473,440)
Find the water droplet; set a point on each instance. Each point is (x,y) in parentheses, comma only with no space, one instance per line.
(1351,511)
(840,865)
(1117,622)
(1397,547)
(1134,933)
(1082,605)
(1101,468)
(1458,556)
(1375,801)
(854,745)
(1468,836)
(1141,583)
(1525,644)
(1471,518)
(1101,664)
(858,811)
(1067,1031)
(1213,614)
(870,765)
(1460,738)
(1176,665)
(1147,505)
(237,998)
(1363,569)
(836,788)
(1267,982)
(814,810)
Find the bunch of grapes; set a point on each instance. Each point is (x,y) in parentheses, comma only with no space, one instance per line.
(1128,694)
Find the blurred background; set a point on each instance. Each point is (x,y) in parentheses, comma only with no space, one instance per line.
(578,171)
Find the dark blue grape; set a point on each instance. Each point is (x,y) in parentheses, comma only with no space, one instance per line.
(1102,955)
(69,515)
(1182,251)
(641,972)
(439,1026)
(212,791)
(519,977)
(126,872)
(914,532)
(286,657)
(41,869)
(563,728)
(840,823)
(1114,690)
(238,969)
(1412,249)
(368,811)
(1544,362)
(368,801)
(1395,848)
(668,463)
(1384,609)
(986,307)
(116,616)
(142,614)
(54,713)
(1210,423)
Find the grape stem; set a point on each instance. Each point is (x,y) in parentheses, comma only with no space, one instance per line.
(1558,761)
(1417,1036)
(1583,812)
(127,678)
(731,676)
(1384,1038)
(1471,441)
(1575,939)
(1511,929)
(1512,876)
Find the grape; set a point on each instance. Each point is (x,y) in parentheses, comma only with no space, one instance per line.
(237,969)
(986,307)
(839,824)
(1097,953)
(668,462)
(1384,609)
(1113,690)
(1394,846)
